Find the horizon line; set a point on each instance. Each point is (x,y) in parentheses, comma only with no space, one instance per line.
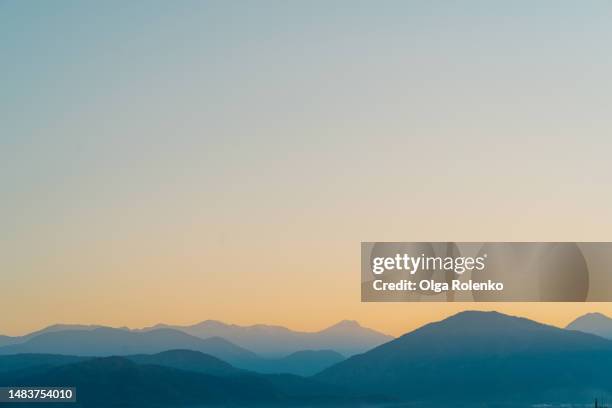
(287,327)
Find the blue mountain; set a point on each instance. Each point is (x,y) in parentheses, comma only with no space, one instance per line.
(188,360)
(482,357)
(347,337)
(305,363)
(177,378)
(594,323)
(109,342)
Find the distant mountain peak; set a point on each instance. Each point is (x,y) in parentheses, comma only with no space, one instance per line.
(345,324)
(211,323)
(597,315)
(593,323)
(348,323)
(590,318)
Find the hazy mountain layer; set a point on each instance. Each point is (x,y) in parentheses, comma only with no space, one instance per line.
(107,342)
(305,363)
(346,337)
(482,357)
(470,358)
(594,323)
(121,382)
(187,360)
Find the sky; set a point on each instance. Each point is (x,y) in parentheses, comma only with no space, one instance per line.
(181,161)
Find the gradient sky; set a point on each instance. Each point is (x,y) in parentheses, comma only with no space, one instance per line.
(180,161)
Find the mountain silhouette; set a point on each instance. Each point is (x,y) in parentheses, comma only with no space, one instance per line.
(95,341)
(471,357)
(594,323)
(8,340)
(482,356)
(63,327)
(305,363)
(117,381)
(122,382)
(346,337)
(188,360)
(107,342)
(18,362)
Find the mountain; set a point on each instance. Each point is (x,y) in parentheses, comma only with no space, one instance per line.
(305,363)
(121,382)
(103,341)
(346,337)
(117,381)
(188,360)
(107,341)
(17,362)
(482,357)
(594,323)
(61,327)
(7,340)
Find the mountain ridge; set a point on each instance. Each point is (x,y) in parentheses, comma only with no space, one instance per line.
(594,323)
(470,357)
(346,337)
(494,351)
(108,341)
(121,382)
